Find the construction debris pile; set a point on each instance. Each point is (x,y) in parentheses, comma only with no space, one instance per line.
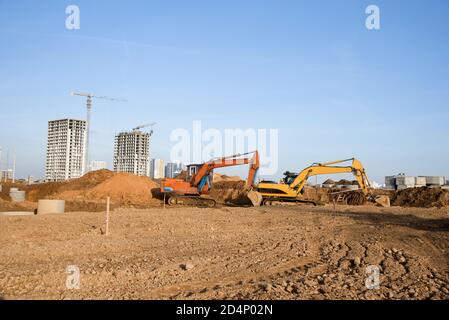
(423,197)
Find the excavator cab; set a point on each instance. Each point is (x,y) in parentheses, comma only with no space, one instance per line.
(192,170)
(289,177)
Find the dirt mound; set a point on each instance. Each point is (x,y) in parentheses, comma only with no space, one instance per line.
(90,191)
(222,177)
(4,196)
(6,206)
(422,197)
(123,188)
(234,192)
(182,176)
(89,180)
(47,190)
(317,194)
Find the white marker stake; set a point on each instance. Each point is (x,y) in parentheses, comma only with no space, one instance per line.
(108,205)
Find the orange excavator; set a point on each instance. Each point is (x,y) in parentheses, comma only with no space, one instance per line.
(194,189)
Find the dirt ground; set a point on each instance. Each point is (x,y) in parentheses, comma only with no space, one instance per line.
(291,252)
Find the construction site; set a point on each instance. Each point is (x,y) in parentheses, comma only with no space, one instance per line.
(230,151)
(225,238)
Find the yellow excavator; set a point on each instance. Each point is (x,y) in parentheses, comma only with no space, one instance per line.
(292,186)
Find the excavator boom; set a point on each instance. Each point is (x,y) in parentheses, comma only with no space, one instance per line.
(315,169)
(292,189)
(199,181)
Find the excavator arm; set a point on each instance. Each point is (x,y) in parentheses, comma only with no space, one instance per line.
(315,169)
(290,191)
(195,190)
(230,161)
(202,177)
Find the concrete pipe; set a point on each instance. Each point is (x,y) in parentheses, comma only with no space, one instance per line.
(17,196)
(51,207)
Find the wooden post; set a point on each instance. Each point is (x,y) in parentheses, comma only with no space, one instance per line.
(164,200)
(108,206)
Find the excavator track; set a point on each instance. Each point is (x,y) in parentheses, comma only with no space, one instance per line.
(280,201)
(191,201)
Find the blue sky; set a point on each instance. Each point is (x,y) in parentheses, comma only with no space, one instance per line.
(308,68)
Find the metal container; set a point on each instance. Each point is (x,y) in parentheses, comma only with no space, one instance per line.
(51,207)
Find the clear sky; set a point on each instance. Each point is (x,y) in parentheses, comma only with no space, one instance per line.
(308,68)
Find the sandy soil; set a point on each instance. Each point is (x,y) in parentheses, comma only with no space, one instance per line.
(292,252)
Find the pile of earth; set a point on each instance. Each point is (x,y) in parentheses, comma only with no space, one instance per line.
(317,194)
(8,206)
(230,190)
(90,191)
(423,197)
(224,178)
(342,182)
(182,176)
(49,189)
(233,190)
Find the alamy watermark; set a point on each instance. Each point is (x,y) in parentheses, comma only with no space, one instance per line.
(372,282)
(372,22)
(200,145)
(72,21)
(73,278)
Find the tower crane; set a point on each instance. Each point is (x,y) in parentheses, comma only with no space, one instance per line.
(145,126)
(89,97)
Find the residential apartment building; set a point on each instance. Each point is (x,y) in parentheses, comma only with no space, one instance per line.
(132,153)
(157,169)
(173,169)
(65,149)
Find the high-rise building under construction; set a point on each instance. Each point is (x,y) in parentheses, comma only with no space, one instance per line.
(132,153)
(66,144)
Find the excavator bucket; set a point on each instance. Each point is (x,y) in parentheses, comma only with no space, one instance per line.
(255,198)
(383,201)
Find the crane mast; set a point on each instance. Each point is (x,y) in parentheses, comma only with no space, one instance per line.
(89,97)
